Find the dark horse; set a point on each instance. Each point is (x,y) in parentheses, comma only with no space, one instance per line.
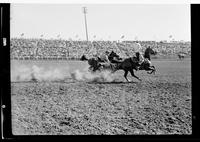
(181,56)
(128,65)
(131,63)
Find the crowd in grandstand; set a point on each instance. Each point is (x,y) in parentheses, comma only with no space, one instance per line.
(67,49)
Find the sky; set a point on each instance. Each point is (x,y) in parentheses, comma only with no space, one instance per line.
(104,21)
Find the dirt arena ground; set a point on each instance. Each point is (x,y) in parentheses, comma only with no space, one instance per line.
(159,104)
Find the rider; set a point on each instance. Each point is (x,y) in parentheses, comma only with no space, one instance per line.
(104,57)
(95,65)
(95,56)
(139,55)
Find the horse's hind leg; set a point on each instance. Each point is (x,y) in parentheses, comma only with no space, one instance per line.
(132,73)
(125,75)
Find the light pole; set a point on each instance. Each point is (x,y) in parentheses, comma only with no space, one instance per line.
(85,11)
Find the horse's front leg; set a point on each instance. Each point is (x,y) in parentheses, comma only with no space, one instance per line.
(125,75)
(150,72)
(132,73)
(153,70)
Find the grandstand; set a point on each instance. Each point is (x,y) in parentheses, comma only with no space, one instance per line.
(45,49)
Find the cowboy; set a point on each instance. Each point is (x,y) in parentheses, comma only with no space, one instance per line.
(147,55)
(95,56)
(139,55)
(104,57)
(95,65)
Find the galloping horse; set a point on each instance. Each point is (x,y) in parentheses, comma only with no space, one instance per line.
(181,56)
(131,63)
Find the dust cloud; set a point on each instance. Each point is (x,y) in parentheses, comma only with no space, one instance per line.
(36,73)
(99,76)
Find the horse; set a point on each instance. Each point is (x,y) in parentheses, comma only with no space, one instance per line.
(181,56)
(128,65)
(131,63)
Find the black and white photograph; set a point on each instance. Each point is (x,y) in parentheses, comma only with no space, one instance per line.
(100,69)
